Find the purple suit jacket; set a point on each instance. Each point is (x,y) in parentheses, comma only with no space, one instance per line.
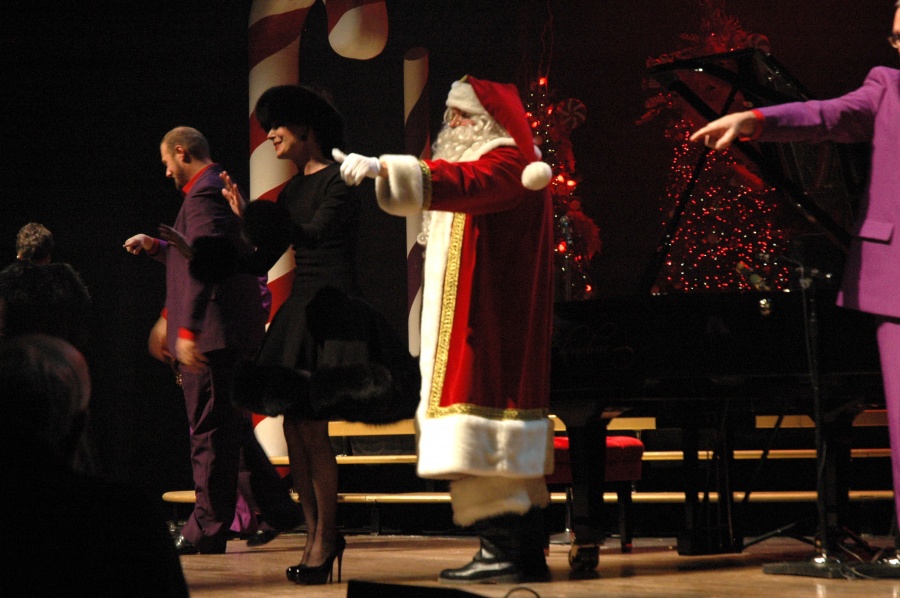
(229,314)
(870,113)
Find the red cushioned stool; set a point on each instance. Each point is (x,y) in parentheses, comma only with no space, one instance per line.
(623,468)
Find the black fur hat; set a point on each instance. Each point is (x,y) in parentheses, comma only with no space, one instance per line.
(305,106)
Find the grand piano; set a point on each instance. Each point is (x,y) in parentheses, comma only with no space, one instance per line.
(705,362)
(700,361)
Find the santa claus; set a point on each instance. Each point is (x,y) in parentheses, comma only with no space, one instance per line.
(486,320)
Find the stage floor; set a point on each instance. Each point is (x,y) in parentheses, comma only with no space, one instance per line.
(654,569)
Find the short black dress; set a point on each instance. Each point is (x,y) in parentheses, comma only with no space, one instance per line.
(327,354)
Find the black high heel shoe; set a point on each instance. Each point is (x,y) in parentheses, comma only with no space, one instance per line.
(324,573)
(291,571)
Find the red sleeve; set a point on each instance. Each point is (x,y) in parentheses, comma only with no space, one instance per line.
(492,183)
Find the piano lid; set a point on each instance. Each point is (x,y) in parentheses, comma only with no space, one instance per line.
(707,345)
(824,181)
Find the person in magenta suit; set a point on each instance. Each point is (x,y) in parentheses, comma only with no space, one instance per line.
(871,113)
(208,329)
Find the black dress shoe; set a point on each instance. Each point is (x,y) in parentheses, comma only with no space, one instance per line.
(490,566)
(512,551)
(182,546)
(262,536)
(485,567)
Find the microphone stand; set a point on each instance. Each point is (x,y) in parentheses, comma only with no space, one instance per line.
(827,562)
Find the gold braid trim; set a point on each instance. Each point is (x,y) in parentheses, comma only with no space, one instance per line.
(491,412)
(445,328)
(448,307)
(426,185)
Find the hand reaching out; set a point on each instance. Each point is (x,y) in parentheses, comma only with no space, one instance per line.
(137,243)
(722,132)
(355,167)
(233,194)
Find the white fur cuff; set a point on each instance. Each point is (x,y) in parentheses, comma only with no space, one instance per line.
(402,193)
(476,497)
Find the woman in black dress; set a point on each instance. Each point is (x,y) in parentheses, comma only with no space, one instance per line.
(316,214)
(327,353)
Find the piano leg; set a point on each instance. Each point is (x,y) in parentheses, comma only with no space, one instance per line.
(698,536)
(587,451)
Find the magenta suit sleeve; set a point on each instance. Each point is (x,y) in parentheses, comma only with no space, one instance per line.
(847,119)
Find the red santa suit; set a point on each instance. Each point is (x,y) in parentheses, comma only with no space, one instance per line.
(486,311)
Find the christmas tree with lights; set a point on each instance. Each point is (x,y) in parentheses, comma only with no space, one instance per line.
(577,237)
(732,219)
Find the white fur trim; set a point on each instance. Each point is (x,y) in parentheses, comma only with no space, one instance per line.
(451,446)
(401,194)
(462,97)
(536,176)
(477,498)
(439,230)
(472,155)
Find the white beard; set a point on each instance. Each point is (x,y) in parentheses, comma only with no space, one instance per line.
(453,144)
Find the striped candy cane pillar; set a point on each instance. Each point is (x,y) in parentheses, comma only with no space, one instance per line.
(357,29)
(418,143)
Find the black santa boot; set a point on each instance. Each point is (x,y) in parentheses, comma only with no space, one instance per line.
(511,551)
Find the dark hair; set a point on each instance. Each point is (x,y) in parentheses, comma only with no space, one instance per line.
(34,242)
(50,299)
(46,392)
(305,106)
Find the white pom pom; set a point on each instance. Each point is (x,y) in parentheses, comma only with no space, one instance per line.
(536,176)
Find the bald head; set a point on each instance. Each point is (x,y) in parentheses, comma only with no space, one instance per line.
(194,143)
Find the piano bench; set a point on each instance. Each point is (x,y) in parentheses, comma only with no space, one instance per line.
(624,456)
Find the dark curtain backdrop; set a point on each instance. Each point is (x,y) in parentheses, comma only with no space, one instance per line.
(90,88)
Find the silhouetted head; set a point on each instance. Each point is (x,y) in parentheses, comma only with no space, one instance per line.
(46,389)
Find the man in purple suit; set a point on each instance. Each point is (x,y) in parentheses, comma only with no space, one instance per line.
(872,270)
(206,330)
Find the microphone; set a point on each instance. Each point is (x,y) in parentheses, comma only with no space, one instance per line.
(756,281)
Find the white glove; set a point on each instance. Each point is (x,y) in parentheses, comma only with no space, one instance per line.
(355,168)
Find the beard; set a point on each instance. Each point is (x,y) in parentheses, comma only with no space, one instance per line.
(453,142)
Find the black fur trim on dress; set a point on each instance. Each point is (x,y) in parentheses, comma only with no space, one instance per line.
(270,390)
(364,372)
(357,393)
(366,393)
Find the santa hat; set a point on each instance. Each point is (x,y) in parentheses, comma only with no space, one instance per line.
(501,101)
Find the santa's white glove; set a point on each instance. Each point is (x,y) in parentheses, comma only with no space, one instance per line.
(355,168)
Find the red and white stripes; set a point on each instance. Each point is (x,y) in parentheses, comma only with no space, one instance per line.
(418,143)
(357,28)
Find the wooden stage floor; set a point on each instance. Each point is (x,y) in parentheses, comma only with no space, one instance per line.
(654,569)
